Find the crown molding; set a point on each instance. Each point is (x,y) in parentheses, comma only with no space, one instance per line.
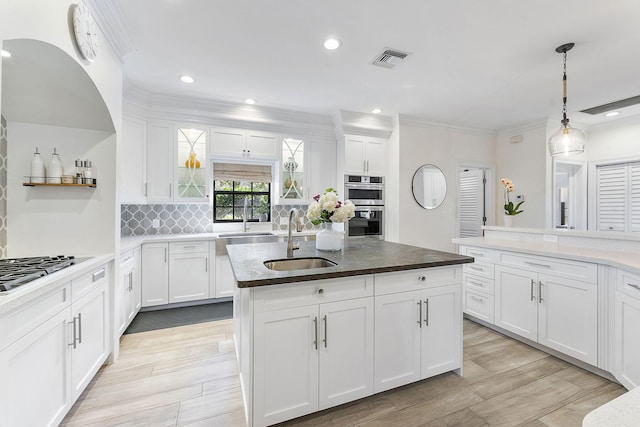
(354,123)
(404,119)
(111,20)
(158,106)
(541,123)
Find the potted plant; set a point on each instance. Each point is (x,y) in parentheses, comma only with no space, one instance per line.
(263,212)
(510,210)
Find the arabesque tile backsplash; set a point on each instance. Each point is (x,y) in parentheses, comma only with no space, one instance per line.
(137,220)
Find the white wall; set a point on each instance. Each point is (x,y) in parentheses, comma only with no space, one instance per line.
(524,163)
(446,147)
(60,220)
(618,139)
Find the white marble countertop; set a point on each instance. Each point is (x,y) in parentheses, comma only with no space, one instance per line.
(23,294)
(623,411)
(619,259)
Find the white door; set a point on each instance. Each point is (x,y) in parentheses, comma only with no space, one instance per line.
(155,274)
(516,301)
(91,348)
(225,281)
(133,161)
(398,327)
(36,369)
(188,277)
(626,342)
(346,351)
(159,162)
(354,160)
(286,381)
(376,157)
(471,202)
(262,145)
(228,142)
(441,330)
(611,197)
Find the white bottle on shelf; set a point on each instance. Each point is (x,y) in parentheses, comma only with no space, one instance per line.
(37,172)
(54,169)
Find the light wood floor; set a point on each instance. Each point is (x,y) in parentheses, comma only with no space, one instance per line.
(187,376)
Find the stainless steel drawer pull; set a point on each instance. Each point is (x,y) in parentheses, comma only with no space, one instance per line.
(98,275)
(476,268)
(540,292)
(79,328)
(535,264)
(532,285)
(476,283)
(634,286)
(324,319)
(476,253)
(189,247)
(315,327)
(73,343)
(420,313)
(426,312)
(475,298)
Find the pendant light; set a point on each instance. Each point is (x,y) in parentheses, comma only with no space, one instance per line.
(566,141)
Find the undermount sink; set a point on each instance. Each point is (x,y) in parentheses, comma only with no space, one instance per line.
(247,234)
(288,264)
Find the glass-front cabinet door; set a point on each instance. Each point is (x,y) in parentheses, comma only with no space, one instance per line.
(191,177)
(292,180)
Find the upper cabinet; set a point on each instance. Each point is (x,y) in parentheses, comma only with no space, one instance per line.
(243,143)
(132,161)
(159,184)
(191,157)
(293,180)
(364,155)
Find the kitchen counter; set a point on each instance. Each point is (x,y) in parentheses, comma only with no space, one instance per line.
(358,257)
(623,411)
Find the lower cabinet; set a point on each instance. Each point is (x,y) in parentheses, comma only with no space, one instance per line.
(155,274)
(557,312)
(315,357)
(417,335)
(188,271)
(225,281)
(626,345)
(129,299)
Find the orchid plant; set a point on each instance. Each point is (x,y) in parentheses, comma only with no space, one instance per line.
(509,207)
(327,208)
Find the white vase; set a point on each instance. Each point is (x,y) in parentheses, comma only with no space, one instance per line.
(508,220)
(328,239)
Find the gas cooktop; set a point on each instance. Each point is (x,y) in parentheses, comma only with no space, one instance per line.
(16,272)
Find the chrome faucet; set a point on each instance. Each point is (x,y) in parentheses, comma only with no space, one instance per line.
(290,246)
(244,215)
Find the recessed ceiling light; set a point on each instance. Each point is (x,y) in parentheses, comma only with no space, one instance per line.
(332,44)
(612,113)
(376,110)
(250,101)
(187,79)
(5,53)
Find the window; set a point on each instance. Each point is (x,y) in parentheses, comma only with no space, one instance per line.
(229,198)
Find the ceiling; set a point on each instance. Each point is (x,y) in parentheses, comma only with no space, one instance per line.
(487,64)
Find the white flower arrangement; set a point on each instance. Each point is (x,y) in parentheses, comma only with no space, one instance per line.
(327,208)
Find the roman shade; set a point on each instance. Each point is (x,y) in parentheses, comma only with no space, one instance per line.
(242,172)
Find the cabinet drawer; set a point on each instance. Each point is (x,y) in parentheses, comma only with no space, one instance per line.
(479,304)
(411,280)
(27,317)
(629,284)
(480,254)
(127,256)
(277,297)
(480,269)
(188,247)
(559,267)
(84,284)
(481,284)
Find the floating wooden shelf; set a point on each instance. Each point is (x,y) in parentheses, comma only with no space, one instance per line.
(36,184)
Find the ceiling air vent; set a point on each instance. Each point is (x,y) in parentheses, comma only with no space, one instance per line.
(389,58)
(615,105)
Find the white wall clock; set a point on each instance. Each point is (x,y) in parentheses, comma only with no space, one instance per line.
(85,30)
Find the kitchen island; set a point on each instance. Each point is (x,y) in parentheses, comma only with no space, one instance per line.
(384,316)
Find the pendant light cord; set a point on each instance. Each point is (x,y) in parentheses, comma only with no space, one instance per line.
(565,120)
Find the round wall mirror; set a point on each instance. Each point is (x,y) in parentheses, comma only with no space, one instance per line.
(429,186)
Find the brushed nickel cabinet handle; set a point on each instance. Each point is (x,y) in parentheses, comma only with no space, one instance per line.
(536,264)
(73,343)
(98,275)
(475,298)
(634,286)
(324,319)
(476,253)
(540,292)
(476,283)
(476,268)
(532,285)
(79,328)
(420,313)
(426,312)
(315,327)
(165,255)
(422,278)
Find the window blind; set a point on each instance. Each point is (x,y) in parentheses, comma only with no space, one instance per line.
(242,172)
(612,197)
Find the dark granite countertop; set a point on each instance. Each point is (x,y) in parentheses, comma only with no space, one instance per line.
(358,257)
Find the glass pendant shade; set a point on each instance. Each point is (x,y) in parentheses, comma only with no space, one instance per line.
(567,141)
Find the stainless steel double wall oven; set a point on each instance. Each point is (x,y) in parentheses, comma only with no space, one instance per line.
(367,194)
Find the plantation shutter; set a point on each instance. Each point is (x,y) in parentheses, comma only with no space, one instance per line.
(611,197)
(634,197)
(471,203)
(241,172)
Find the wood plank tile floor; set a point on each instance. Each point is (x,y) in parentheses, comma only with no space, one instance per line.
(187,376)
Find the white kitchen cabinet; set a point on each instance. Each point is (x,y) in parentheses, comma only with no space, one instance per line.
(321,172)
(626,345)
(243,143)
(417,335)
(159,185)
(188,271)
(155,274)
(225,281)
(132,161)
(478,283)
(191,164)
(364,155)
(129,300)
(293,177)
(558,312)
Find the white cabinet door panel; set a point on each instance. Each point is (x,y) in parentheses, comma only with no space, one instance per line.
(188,277)
(225,281)
(516,302)
(159,162)
(376,157)
(155,274)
